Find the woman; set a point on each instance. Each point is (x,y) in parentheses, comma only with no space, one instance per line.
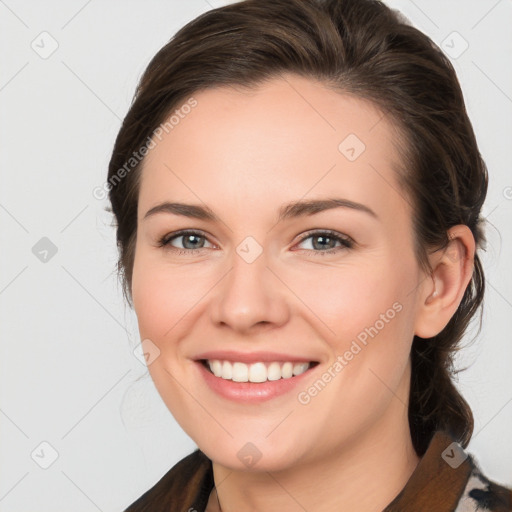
(297,189)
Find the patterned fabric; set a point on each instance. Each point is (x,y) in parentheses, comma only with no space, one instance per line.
(480,494)
(447,479)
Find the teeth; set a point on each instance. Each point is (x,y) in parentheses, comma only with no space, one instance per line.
(256,372)
(227,370)
(287,370)
(274,371)
(216,368)
(240,372)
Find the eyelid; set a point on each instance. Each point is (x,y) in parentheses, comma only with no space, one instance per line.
(330,232)
(346,241)
(165,240)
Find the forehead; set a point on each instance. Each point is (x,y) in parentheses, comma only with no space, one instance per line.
(284,139)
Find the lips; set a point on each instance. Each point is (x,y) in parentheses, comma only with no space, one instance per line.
(252,357)
(250,392)
(253,377)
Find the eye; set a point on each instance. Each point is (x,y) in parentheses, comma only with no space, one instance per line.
(326,242)
(191,241)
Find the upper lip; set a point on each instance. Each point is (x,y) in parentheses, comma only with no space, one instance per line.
(251,357)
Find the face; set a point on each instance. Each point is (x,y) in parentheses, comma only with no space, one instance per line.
(257,282)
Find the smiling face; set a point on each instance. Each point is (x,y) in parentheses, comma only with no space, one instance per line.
(257,277)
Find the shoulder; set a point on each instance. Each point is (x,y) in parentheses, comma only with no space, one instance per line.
(482,494)
(183,488)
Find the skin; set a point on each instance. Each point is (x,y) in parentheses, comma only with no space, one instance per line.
(244,154)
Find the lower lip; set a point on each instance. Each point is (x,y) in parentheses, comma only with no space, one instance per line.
(253,392)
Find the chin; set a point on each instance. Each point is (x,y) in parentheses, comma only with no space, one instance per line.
(260,462)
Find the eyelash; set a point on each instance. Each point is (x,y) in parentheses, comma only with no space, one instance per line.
(346,242)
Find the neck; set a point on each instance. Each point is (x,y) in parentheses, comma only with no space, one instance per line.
(363,475)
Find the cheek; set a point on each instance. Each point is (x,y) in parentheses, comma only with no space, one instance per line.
(165,300)
(163,295)
(349,298)
(366,315)
(150,301)
(371,324)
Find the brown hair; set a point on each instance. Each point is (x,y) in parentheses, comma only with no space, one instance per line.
(359,47)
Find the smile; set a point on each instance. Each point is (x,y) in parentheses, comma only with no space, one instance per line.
(253,382)
(256,372)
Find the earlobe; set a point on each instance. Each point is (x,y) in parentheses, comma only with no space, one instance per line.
(440,295)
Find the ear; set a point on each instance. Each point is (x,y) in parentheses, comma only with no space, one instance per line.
(442,291)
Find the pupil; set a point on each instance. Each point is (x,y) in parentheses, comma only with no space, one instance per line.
(322,238)
(189,238)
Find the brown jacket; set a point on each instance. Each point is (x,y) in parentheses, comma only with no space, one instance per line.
(446,479)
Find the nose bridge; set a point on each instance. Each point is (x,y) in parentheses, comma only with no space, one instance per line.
(250,294)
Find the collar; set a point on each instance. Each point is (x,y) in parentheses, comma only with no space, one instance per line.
(439,479)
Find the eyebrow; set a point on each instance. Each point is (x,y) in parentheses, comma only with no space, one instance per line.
(291,210)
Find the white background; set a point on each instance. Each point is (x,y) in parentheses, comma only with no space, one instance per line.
(68,373)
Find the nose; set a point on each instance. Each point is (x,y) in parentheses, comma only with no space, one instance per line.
(250,298)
